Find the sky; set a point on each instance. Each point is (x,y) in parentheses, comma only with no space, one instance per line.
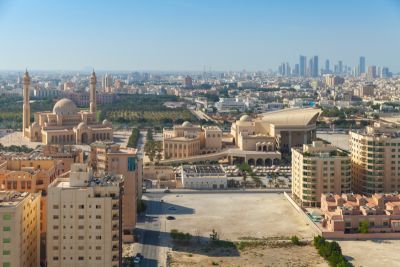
(189,35)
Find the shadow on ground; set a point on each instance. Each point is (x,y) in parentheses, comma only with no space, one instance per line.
(197,245)
(167,208)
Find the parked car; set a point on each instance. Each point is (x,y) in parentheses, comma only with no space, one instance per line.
(170,218)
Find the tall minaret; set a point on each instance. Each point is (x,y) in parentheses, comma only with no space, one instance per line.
(26,109)
(92,92)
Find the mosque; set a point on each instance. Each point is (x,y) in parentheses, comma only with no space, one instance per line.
(66,124)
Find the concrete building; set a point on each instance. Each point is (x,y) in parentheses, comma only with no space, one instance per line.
(318,169)
(19,229)
(66,155)
(85,219)
(189,140)
(375,158)
(30,174)
(344,213)
(66,124)
(108,157)
(333,80)
(204,177)
(188,82)
(229,104)
(159,176)
(365,90)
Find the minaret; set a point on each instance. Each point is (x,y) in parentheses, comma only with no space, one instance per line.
(26,109)
(92,92)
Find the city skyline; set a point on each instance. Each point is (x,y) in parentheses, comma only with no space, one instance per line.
(193,36)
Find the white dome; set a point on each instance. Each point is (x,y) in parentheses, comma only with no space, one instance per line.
(245,118)
(65,106)
(187,124)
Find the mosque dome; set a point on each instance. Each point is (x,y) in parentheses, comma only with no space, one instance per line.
(187,124)
(106,122)
(65,106)
(245,118)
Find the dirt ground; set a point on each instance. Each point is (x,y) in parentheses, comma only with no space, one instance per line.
(235,215)
(371,253)
(293,256)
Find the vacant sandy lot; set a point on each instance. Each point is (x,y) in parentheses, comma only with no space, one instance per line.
(372,252)
(293,256)
(235,215)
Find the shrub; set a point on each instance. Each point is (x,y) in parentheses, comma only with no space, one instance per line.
(363,227)
(295,240)
(331,252)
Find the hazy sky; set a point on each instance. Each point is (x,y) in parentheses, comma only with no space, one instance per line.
(189,34)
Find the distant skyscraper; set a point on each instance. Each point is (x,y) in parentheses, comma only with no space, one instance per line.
(188,82)
(315,66)
(372,72)
(361,67)
(340,68)
(303,66)
(296,70)
(327,66)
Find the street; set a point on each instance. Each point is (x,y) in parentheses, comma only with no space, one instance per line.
(151,232)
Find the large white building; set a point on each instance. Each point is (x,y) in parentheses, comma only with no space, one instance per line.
(229,104)
(204,177)
(84,220)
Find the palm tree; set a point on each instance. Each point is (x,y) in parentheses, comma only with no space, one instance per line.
(244,169)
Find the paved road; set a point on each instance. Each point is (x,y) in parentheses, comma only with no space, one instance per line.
(151,229)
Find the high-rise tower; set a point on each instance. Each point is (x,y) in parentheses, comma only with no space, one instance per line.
(92,92)
(26,110)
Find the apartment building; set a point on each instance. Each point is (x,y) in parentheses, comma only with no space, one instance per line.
(375,159)
(344,213)
(318,169)
(84,219)
(108,157)
(19,229)
(31,174)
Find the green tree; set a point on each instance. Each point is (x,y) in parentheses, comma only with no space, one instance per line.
(363,227)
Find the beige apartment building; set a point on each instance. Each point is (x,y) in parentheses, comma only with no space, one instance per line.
(31,174)
(375,158)
(108,157)
(19,229)
(84,220)
(318,169)
(344,213)
(190,140)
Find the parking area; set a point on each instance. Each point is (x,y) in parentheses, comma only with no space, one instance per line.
(232,215)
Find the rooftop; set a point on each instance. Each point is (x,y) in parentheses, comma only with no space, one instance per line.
(11,198)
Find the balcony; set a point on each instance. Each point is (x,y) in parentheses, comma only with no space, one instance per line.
(115,207)
(115,238)
(115,248)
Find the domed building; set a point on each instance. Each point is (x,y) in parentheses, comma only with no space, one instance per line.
(66,124)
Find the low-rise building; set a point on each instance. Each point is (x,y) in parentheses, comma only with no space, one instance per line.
(19,229)
(344,213)
(85,219)
(318,169)
(190,140)
(204,177)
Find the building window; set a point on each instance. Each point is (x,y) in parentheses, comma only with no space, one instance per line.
(55,258)
(55,206)
(6,240)
(6,252)
(7,217)
(98,206)
(131,164)
(6,264)
(6,229)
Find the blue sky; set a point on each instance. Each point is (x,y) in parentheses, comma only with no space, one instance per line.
(190,35)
